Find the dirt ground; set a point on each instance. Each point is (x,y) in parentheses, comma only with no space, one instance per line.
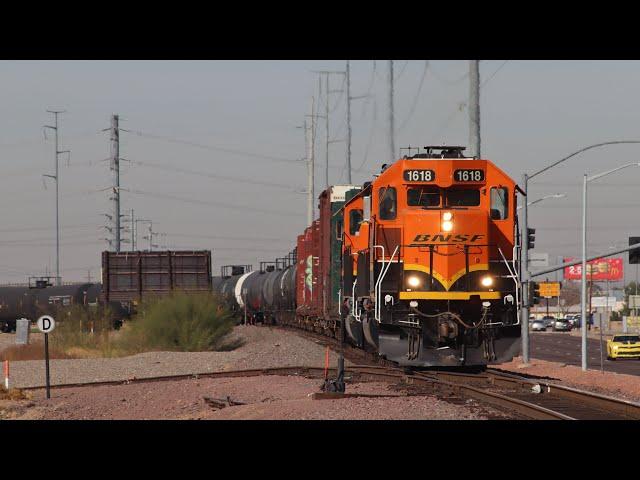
(265,398)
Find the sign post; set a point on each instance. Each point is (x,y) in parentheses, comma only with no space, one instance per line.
(46,324)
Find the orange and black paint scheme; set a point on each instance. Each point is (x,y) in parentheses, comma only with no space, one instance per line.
(429,262)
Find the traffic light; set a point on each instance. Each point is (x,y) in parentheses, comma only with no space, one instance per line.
(534,293)
(531,238)
(634,255)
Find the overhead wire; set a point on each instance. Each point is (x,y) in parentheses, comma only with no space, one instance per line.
(214,148)
(414,103)
(210,203)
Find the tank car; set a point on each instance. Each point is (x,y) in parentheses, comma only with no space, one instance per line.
(24,302)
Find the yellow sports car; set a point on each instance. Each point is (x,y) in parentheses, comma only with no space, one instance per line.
(623,346)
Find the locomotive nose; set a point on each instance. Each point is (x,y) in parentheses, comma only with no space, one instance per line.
(447,244)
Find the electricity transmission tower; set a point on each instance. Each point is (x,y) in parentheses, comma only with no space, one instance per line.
(54,127)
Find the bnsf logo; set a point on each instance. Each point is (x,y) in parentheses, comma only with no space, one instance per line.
(464,237)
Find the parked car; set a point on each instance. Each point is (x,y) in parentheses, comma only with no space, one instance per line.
(574,320)
(548,320)
(561,325)
(538,326)
(623,346)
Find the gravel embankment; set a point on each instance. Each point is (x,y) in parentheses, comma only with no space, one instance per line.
(616,385)
(264,347)
(265,398)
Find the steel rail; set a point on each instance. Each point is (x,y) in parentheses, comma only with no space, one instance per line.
(363,371)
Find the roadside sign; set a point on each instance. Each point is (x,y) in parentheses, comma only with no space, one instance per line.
(634,301)
(46,324)
(538,259)
(603,302)
(549,289)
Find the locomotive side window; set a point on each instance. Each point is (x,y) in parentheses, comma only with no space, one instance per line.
(339,229)
(423,197)
(459,197)
(388,203)
(355,219)
(499,203)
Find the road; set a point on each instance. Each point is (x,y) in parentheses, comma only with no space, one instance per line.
(566,348)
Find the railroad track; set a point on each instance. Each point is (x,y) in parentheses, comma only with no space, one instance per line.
(517,396)
(531,398)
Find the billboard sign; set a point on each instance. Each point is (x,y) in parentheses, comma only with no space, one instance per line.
(597,270)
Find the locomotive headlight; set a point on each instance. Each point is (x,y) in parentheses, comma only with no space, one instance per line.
(447,226)
(447,216)
(413,281)
(486,281)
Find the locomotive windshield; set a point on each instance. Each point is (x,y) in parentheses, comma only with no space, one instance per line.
(459,197)
(423,196)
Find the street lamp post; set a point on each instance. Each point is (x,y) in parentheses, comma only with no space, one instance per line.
(583,296)
(555,195)
(525,253)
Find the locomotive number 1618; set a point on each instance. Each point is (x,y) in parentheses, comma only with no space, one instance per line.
(419,175)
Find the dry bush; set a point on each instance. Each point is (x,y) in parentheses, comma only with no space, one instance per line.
(182,322)
(84,331)
(32,351)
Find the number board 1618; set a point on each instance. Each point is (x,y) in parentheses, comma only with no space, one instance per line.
(469,175)
(419,175)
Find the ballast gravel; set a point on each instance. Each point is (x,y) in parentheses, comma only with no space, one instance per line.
(263,348)
(264,398)
(617,385)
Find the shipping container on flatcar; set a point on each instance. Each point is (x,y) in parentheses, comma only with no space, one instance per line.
(129,277)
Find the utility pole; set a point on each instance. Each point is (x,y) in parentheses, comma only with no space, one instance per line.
(392,145)
(348,123)
(56,177)
(474,107)
(524,275)
(326,74)
(115,168)
(309,129)
(132,234)
(326,128)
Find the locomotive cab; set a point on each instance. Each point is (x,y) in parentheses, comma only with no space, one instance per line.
(429,261)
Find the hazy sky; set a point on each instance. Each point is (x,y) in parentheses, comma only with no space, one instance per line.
(187,118)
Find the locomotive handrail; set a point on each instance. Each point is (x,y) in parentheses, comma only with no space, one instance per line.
(354,302)
(378,287)
(515,281)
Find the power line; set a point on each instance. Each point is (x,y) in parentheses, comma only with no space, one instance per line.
(414,104)
(493,74)
(404,67)
(463,104)
(213,204)
(200,173)
(213,147)
(446,81)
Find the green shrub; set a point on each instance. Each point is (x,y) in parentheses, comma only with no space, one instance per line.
(182,322)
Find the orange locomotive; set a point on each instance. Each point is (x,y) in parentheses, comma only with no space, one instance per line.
(429,270)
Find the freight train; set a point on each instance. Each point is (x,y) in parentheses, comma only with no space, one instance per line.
(419,265)
(31,302)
